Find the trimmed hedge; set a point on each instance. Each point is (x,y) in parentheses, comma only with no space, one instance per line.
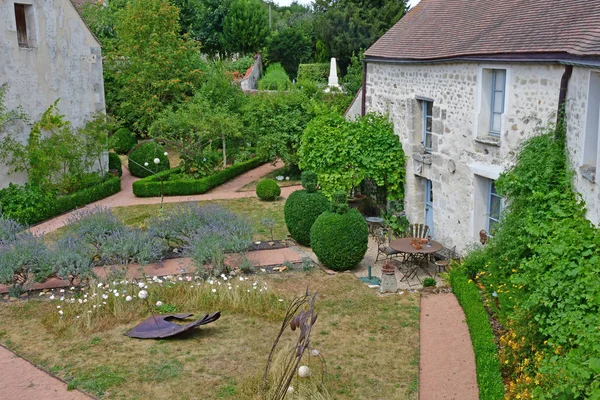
(268,190)
(114,162)
(151,186)
(122,141)
(340,240)
(146,153)
(70,202)
(314,72)
(489,378)
(301,210)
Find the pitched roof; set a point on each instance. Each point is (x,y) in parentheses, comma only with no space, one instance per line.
(438,29)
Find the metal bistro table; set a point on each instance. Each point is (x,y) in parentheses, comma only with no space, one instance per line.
(417,256)
(374,223)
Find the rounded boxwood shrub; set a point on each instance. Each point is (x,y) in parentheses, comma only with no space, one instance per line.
(146,153)
(114,163)
(301,210)
(340,240)
(268,190)
(122,141)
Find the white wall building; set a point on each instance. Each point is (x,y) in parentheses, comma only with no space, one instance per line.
(465,85)
(47,52)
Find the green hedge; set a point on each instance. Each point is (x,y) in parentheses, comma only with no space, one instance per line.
(313,72)
(70,202)
(489,379)
(151,186)
(114,162)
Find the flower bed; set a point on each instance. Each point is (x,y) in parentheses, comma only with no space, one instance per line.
(153,186)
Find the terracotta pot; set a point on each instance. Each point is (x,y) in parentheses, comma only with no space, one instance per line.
(388,269)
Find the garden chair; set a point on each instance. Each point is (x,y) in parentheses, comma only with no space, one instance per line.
(382,237)
(446,256)
(418,231)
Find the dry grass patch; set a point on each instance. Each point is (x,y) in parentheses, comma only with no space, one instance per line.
(370,344)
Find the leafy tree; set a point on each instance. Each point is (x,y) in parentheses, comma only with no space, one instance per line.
(289,47)
(346,26)
(246,26)
(103,18)
(344,153)
(152,66)
(209,32)
(352,82)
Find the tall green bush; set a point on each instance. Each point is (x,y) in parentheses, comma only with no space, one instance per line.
(275,79)
(544,268)
(122,141)
(142,160)
(313,72)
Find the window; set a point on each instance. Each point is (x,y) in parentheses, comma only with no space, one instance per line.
(494,208)
(497,109)
(592,129)
(427,124)
(25,25)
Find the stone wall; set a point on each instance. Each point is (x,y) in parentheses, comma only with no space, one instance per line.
(64,62)
(462,158)
(577,108)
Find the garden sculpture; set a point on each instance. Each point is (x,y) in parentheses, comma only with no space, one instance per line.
(157,327)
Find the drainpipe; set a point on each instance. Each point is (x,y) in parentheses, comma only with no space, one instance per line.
(363,105)
(562,97)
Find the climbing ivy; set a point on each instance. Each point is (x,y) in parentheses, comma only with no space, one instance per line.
(344,153)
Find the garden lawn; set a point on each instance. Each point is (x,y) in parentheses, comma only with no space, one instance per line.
(370,344)
(254,209)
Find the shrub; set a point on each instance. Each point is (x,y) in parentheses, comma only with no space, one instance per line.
(94,224)
(114,163)
(141,160)
(487,362)
(151,186)
(268,190)
(9,228)
(340,240)
(26,204)
(122,141)
(275,79)
(25,257)
(72,258)
(429,282)
(131,246)
(314,72)
(303,207)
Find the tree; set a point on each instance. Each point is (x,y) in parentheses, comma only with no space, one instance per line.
(289,47)
(246,26)
(211,16)
(153,66)
(352,82)
(346,26)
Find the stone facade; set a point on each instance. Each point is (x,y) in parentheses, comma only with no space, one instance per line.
(464,158)
(61,60)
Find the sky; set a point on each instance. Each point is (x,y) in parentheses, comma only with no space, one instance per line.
(412,3)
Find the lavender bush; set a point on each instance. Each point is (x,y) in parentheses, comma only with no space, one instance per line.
(95,224)
(9,228)
(73,258)
(131,246)
(22,258)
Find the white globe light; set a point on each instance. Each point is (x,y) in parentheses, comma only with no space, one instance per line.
(304,372)
(143,294)
(159,303)
(157,160)
(166,154)
(128,298)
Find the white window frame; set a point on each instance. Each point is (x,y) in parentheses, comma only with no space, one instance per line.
(425,133)
(502,91)
(493,220)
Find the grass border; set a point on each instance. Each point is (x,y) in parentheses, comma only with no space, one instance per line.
(151,186)
(487,362)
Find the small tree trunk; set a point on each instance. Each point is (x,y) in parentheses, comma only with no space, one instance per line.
(224,152)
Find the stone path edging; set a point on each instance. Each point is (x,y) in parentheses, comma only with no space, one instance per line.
(447,361)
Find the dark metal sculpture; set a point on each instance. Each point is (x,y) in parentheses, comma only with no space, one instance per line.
(157,327)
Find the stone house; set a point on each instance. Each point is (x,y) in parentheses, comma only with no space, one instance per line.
(47,52)
(464,83)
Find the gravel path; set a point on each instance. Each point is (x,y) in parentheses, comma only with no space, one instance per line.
(447,365)
(126,198)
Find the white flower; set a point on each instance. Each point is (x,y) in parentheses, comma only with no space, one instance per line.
(166,154)
(314,353)
(62,298)
(57,306)
(214,290)
(157,160)
(80,301)
(224,278)
(280,299)
(279,177)
(85,300)
(290,389)
(105,296)
(143,294)
(141,285)
(100,285)
(62,290)
(159,303)
(104,302)
(146,164)
(60,312)
(77,317)
(495,294)
(52,297)
(72,287)
(128,298)
(304,372)
(211,282)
